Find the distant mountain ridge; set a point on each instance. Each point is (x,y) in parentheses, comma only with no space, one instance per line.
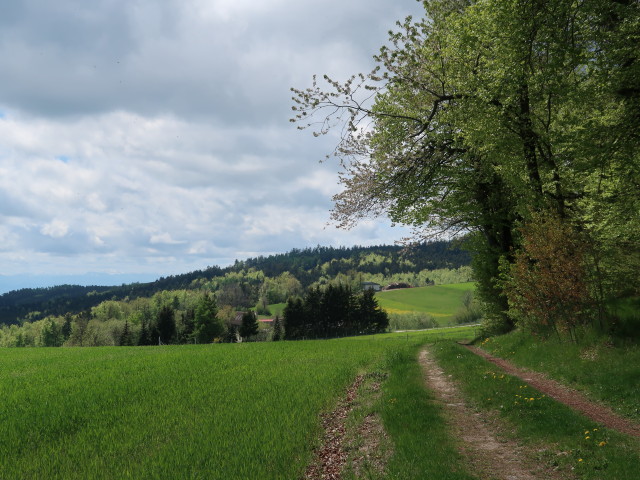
(307,265)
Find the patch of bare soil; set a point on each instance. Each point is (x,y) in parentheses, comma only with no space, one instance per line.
(332,456)
(489,455)
(369,446)
(561,393)
(367,456)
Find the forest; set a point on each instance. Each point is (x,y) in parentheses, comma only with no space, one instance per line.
(206,306)
(239,284)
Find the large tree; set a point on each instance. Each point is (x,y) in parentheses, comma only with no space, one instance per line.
(485,112)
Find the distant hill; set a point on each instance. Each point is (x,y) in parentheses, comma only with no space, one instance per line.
(307,265)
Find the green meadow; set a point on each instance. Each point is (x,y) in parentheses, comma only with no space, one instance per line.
(440,301)
(228,411)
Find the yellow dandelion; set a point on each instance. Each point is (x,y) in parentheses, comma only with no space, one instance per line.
(602,444)
(587,432)
(579,459)
(587,437)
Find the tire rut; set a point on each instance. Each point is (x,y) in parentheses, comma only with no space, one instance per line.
(487,453)
(563,394)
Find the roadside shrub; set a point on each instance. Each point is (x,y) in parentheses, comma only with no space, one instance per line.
(546,284)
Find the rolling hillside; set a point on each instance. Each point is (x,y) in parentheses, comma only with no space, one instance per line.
(440,301)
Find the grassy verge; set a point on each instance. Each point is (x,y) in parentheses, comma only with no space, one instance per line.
(562,437)
(423,447)
(606,373)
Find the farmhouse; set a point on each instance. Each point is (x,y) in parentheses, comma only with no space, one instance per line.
(376,287)
(393,286)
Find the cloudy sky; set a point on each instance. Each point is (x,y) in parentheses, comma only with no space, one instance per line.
(143,138)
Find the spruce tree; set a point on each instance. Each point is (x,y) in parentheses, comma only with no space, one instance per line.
(126,337)
(66,327)
(278,332)
(166,324)
(207,325)
(249,326)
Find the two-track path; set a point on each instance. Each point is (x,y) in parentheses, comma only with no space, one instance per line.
(486,452)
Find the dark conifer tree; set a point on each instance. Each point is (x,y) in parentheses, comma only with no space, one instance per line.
(278,333)
(249,325)
(207,325)
(294,319)
(145,334)
(66,327)
(166,324)
(370,317)
(188,325)
(126,339)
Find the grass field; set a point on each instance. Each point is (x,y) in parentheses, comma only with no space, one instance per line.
(199,411)
(440,301)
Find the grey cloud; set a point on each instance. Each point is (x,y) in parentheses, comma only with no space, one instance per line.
(174,125)
(65,57)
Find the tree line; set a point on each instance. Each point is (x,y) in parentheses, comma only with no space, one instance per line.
(257,280)
(197,316)
(335,311)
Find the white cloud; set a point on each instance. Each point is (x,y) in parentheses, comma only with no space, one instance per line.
(154,138)
(55,229)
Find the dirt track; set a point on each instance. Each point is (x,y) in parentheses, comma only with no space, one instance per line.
(561,393)
(486,452)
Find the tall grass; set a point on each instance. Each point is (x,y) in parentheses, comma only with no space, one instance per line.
(208,411)
(202,411)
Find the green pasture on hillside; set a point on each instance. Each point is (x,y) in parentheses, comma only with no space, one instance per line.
(229,411)
(439,301)
(274,309)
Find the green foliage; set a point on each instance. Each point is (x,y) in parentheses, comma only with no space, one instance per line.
(274,278)
(249,326)
(207,325)
(547,282)
(278,329)
(333,312)
(488,112)
(262,307)
(166,324)
(51,334)
(126,338)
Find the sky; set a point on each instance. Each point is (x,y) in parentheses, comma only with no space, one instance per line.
(141,139)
